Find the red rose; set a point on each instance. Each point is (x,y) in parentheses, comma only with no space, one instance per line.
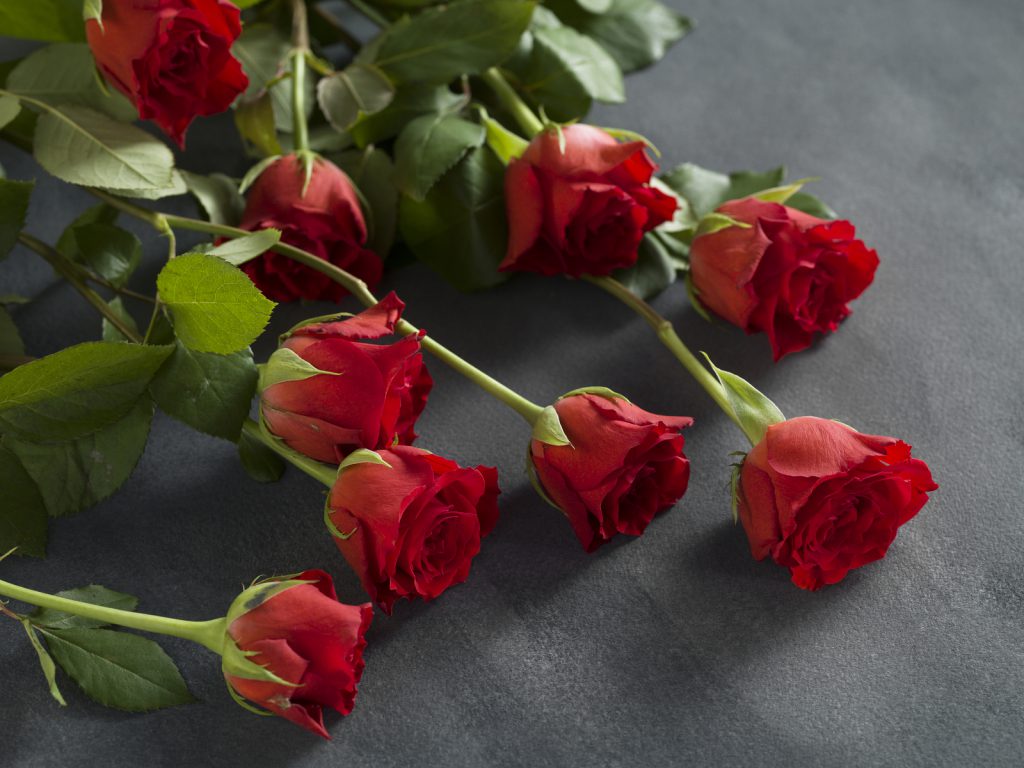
(583,210)
(788,274)
(326,221)
(622,466)
(822,499)
(366,396)
(411,527)
(304,636)
(171,58)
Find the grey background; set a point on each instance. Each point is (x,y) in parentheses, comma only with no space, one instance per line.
(675,648)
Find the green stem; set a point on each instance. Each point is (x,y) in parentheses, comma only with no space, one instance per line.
(208,633)
(300,41)
(668,336)
(525,408)
(322,472)
(371,13)
(509,99)
(64,268)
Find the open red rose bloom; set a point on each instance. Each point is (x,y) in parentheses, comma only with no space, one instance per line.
(324,220)
(304,636)
(622,467)
(822,498)
(787,274)
(412,528)
(581,209)
(367,396)
(171,58)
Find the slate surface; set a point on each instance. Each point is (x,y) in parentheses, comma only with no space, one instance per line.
(676,648)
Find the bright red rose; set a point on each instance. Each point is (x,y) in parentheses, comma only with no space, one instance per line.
(411,529)
(788,274)
(304,636)
(583,210)
(822,499)
(171,58)
(366,396)
(622,466)
(325,220)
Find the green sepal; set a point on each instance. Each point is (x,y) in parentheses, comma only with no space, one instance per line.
(753,411)
(253,597)
(782,193)
(362,456)
(235,662)
(240,701)
(93,10)
(503,142)
(714,222)
(531,472)
(547,428)
(694,296)
(254,173)
(331,527)
(601,391)
(734,490)
(286,365)
(623,134)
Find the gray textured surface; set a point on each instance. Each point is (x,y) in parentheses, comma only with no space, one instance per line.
(674,649)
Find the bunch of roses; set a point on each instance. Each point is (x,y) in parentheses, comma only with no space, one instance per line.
(338,399)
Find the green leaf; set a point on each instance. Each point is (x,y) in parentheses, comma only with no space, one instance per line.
(81,146)
(218,195)
(239,250)
(356,91)
(654,271)
(76,391)
(14,197)
(580,58)
(110,332)
(703,190)
(11,344)
(98,214)
(259,461)
(214,306)
(441,44)
(109,251)
(74,474)
(808,203)
(23,515)
(256,124)
(460,229)
(637,33)
(65,73)
(118,669)
(42,19)
(429,147)
(262,50)
(93,594)
(45,661)
(9,109)
(374,176)
(754,412)
(594,6)
(548,428)
(211,393)
(746,183)
(409,102)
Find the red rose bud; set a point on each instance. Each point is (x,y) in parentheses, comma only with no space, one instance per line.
(326,393)
(325,220)
(608,465)
(171,58)
(410,522)
(582,209)
(787,273)
(822,499)
(293,649)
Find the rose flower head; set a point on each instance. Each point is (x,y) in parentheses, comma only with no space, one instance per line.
(327,392)
(409,522)
(608,465)
(579,202)
(171,58)
(320,215)
(780,271)
(822,499)
(293,649)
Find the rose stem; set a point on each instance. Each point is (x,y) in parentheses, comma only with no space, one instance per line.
(322,472)
(371,13)
(300,43)
(525,408)
(58,262)
(207,633)
(509,99)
